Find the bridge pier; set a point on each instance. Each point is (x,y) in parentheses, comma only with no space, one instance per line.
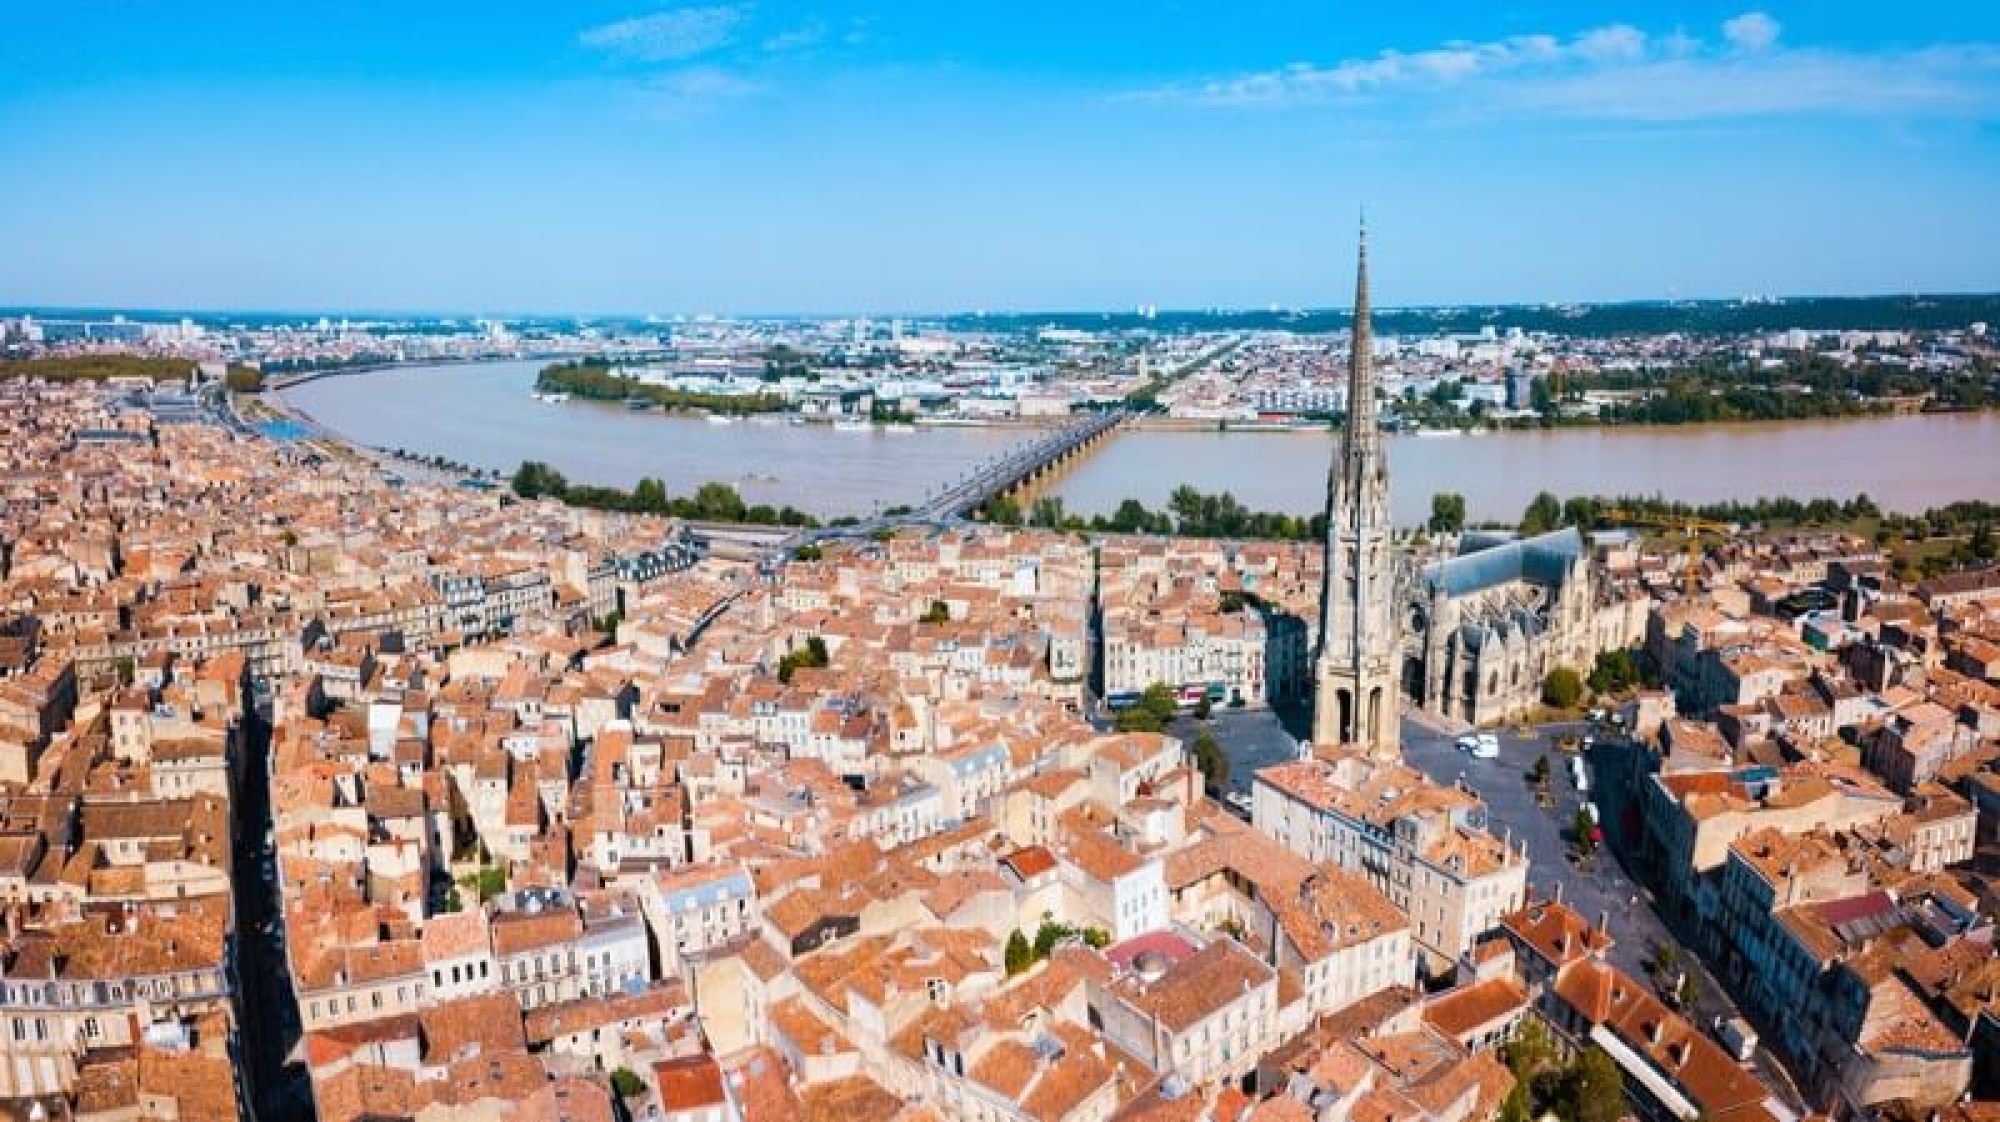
(1027,473)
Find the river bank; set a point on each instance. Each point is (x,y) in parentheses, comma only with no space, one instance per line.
(1905,463)
(484,414)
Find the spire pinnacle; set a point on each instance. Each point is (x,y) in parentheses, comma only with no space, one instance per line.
(1361,360)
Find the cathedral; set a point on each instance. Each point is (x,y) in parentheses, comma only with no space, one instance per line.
(1483,629)
(1468,638)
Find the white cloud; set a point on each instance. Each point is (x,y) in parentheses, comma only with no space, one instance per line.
(692,92)
(1940,80)
(1679,44)
(676,33)
(1619,72)
(1751,31)
(802,38)
(1616,43)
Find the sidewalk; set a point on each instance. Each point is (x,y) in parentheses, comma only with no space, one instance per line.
(1449,726)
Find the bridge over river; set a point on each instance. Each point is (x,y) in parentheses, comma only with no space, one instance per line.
(1023,466)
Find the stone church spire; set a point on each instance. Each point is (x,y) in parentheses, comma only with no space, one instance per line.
(1355,696)
(1361,361)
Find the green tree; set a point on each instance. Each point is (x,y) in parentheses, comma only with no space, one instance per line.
(535,479)
(1592,1090)
(1585,828)
(1210,760)
(812,654)
(96,368)
(1689,991)
(938,612)
(650,496)
(1529,1050)
(1562,688)
(1615,672)
(1020,955)
(1447,513)
(1131,517)
(1542,401)
(1665,961)
(488,882)
(626,1083)
(808,553)
(1153,711)
(1047,513)
(1544,513)
(719,502)
(1004,511)
(1138,718)
(596,379)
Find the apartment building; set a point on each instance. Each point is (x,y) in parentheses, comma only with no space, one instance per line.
(1423,846)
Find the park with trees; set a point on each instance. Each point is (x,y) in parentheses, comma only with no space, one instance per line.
(597,379)
(711,502)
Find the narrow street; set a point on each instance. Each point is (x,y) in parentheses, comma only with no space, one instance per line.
(267,1023)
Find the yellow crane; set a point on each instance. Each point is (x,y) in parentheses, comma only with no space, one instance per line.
(1689,526)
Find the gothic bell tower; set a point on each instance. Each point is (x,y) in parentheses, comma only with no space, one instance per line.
(1356,672)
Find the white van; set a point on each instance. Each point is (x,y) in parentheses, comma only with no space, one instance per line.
(1737,1036)
(1579,773)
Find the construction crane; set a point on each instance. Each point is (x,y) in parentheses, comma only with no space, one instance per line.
(1691,527)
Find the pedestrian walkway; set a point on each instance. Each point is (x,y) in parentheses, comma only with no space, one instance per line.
(1449,726)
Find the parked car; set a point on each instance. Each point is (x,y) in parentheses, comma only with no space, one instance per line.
(1486,748)
(1467,742)
(1736,1035)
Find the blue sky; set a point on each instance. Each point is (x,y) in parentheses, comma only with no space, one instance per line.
(591,156)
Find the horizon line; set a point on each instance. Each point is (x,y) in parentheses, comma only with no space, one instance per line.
(20,309)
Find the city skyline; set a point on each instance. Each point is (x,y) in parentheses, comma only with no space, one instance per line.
(775,159)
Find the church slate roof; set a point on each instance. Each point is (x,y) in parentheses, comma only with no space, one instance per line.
(1489,562)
